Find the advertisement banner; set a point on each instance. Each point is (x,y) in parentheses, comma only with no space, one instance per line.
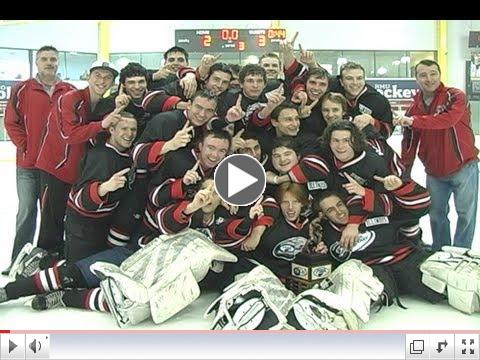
(399,91)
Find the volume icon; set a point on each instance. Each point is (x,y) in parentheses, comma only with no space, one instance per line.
(35,346)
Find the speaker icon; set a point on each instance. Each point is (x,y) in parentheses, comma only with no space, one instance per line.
(35,346)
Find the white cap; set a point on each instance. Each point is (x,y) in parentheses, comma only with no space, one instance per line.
(100,64)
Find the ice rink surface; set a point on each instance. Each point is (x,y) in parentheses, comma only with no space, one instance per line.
(17,315)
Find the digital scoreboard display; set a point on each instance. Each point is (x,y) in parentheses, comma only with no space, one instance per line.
(230,40)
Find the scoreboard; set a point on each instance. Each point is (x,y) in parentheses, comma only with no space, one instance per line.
(230,40)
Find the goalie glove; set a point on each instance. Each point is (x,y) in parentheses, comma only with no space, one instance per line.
(317,309)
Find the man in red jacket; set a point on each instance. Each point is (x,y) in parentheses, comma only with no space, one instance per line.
(72,126)
(438,124)
(25,120)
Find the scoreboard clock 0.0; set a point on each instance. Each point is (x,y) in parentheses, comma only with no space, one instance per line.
(230,40)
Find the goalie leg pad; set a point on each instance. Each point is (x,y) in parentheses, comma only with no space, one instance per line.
(189,249)
(457,274)
(171,295)
(130,288)
(355,282)
(125,311)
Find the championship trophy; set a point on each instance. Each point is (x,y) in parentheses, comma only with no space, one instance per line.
(309,268)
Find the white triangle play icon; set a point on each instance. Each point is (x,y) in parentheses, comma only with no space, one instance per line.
(238,180)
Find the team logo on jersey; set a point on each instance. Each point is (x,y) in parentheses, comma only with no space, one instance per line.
(364,110)
(338,252)
(289,248)
(364,240)
(219,220)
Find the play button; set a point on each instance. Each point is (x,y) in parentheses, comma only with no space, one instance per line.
(11,346)
(239,179)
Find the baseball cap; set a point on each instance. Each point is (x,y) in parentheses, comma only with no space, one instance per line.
(101,64)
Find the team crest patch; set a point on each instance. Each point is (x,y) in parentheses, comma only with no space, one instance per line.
(289,248)
(338,252)
(364,240)
(219,220)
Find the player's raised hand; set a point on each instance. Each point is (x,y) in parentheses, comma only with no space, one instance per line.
(189,85)
(390,182)
(307,57)
(235,113)
(237,141)
(181,138)
(192,176)
(306,110)
(257,209)
(288,45)
(300,97)
(116,181)
(163,72)
(353,187)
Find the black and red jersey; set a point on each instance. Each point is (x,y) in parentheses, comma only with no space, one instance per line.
(280,244)
(97,166)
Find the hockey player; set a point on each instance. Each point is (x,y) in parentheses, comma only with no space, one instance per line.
(334,108)
(92,199)
(366,105)
(251,146)
(98,191)
(285,121)
(162,135)
(131,92)
(347,152)
(378,242)
(174,59)
(279,245)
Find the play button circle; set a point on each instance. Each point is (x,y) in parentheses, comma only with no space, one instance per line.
(239,179)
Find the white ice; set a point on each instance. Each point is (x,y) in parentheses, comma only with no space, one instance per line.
(17,315)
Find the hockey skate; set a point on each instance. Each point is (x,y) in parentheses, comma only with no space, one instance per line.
(49,300)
